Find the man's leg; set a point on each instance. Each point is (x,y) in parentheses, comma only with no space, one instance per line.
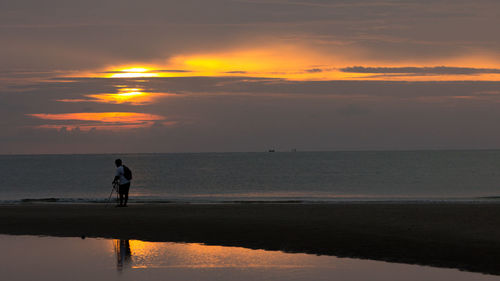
(125,192)
(126,199)
(121,190)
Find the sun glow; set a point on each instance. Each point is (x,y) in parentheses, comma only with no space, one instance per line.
(134,96)
(136,69)
(278,62)
(132,72)
(294,62)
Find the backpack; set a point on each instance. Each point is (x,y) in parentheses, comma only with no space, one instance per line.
(127,173)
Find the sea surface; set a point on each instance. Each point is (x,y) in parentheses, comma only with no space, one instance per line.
(53,258)
(248,177)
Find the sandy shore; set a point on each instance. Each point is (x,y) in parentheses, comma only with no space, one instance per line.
(458,235)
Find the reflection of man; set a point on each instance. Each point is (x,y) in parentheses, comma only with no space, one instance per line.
(124,182)
(123,253)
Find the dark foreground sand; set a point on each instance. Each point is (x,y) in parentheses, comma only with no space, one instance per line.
(464,236)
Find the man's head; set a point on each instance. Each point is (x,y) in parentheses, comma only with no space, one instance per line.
(118,162)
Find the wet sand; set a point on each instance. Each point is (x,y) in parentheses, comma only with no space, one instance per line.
(457,235)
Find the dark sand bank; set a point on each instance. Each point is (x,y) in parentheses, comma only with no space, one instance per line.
(457,235)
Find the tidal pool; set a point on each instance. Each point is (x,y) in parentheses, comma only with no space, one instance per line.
(54,258)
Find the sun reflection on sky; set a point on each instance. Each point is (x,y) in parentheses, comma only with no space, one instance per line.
(110,121)
(134,96)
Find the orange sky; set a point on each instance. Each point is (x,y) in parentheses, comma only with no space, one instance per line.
(300,63)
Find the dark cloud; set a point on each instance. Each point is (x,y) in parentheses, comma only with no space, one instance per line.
(236,72)
(314,70)
(437,70)
(64,35)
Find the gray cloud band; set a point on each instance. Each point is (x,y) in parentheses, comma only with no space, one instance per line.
(438,70)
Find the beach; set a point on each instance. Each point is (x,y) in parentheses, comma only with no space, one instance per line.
(455,235)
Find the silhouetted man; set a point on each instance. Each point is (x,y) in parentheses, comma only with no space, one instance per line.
(122,177)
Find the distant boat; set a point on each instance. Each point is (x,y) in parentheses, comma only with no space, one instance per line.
(294,150)
(271,150)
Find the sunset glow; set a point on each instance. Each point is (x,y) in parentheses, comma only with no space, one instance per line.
(128,95)
(301,63)
(133,96)
(102,120)
(133,72)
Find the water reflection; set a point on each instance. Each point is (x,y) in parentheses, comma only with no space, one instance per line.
(123,253)
(140,254)
(50,258)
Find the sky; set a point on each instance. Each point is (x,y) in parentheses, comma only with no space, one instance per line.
(248,75)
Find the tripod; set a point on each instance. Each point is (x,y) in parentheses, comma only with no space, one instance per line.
(113,189)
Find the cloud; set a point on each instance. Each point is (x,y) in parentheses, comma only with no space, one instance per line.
(133,96)
(98,120)
(251,114)
(237,72)
(35,36)
(436,70)
(314,70)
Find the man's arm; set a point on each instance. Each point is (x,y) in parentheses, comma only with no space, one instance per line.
(117,176)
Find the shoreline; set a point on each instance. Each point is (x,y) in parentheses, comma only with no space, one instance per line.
(465,236)
(292,200)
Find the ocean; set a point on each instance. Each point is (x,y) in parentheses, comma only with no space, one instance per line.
(468,175)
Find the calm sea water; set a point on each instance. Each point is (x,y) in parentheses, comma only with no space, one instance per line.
(280,176)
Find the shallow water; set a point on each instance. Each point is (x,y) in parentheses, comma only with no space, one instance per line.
(281,176)
(51,258)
